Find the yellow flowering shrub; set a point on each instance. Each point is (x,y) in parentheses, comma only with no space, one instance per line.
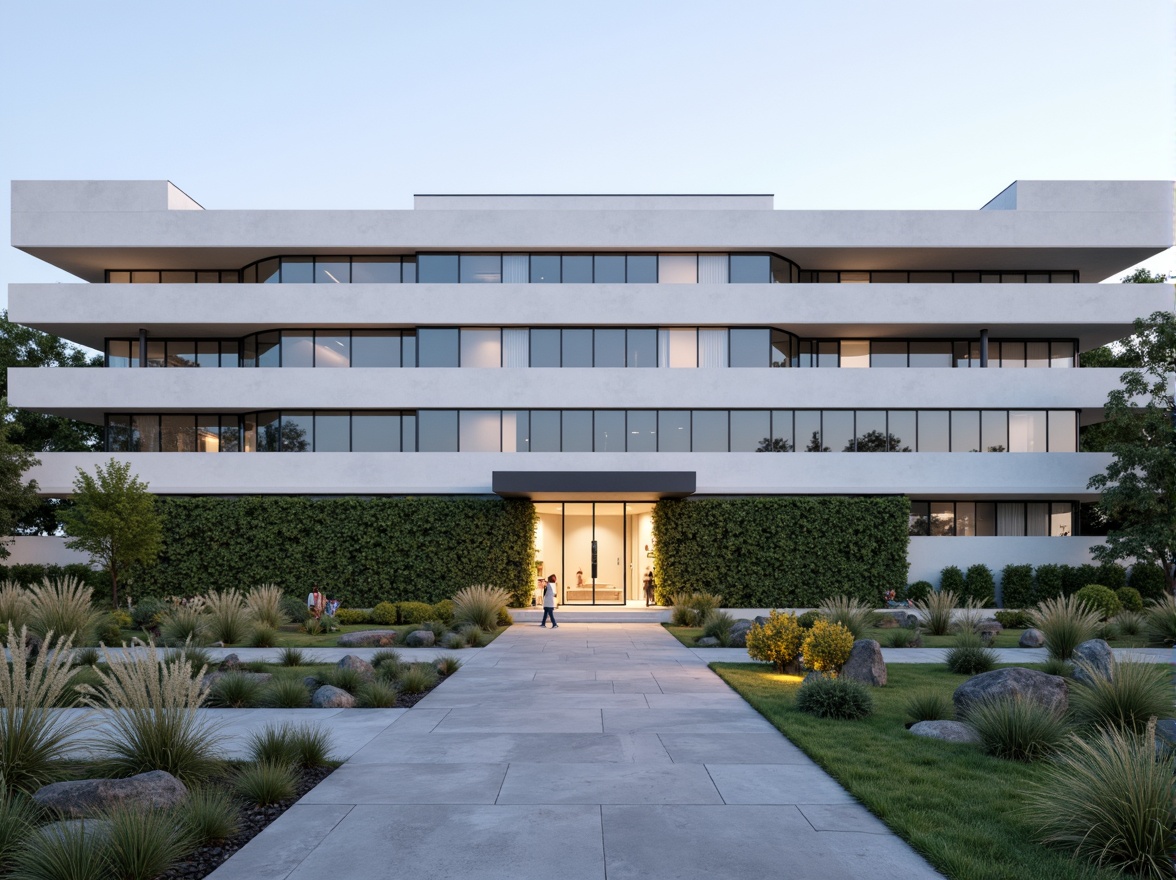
(826,646)
(777,641)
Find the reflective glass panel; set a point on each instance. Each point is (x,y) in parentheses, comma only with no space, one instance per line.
(930,353)
(1012,354)
(919,519)
(408,421)
(297,432)
(145,433)
(608,348)
(545,430)
(408,349)
(545,268)
(408,275)
(118,353)
(942,518)
(709,430)
(297,349)
(156,353)
(207,433)
(577,430)
(888,353)
(1062,433)
(641,425)
(268,431)
(750,347)
(933,431)
(837,430)
(1037,354)
(828,354)
(481,430)
(437,347)
(782,349)
(249,351)
(297,270)
(642,348)
(118,277)
(673,430)
(516,430)
(267,272)
(750,269)
(1027,430)
(437,269)
(609,269)
(208,353)
(808,431)
(641,269)
(329,271)
(1061,520)
(481,269)
(481,348)
(375,432)
(230,434)
(994,430)
(437,430)
(965,430)
(178,433)
(782,440)
(577,348)
(332,349)
(871,431)
(900,426)
(332,432)
(545,348)
(1061,354)
(375,348)
(855,353)
(608,431)
(181,353)
(375,270)
(751,430)
(985,519)
(677,269)
(965,518)
(577,269)
(269,352)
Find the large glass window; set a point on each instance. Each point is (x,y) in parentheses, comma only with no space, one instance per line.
(808,431)
(750,269)
(481,348)
(375,270)
(673,430)
(901,425)
(269,352)
(544,268)
(782,439)
(609,430)
(328,271)
(965,430)
(641,269)
(332,432)
(577,269)
(545,345)
(332,349)
(750,347)
(437,347)
(268,431)
(1027,431)
(838,430)
(930,353)
(871,431)
(608,348)
(545,430)
(994,430)
(375,348)
(375,432)
(438,269)
(642,428)
(642,348)
(297,349)
(178,433)
(577,348)
(751,430)
(933,431)
(1063,431)
(516,430)
(297,432)
(577,430)
(609,269)
(437,430)
(297,270)
(481,269)
(677,269)
(709,430)
(888,353)
(481,431)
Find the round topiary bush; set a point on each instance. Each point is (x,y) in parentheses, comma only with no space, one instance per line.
(1148,578)
(777,641)
(827,646)
(979,585)
(838,698)
(1100,600)
(919,590)
(951,578)
(384,613)
(807,619)
(1130,599)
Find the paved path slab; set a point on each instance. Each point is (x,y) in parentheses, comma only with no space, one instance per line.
(588,752)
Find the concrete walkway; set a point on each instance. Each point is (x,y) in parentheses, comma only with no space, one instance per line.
(595,751)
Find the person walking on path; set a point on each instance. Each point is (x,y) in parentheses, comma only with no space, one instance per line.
(549,602)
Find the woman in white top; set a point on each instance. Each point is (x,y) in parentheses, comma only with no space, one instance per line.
(549,602)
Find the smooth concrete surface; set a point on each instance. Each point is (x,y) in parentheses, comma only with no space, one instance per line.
(526,765)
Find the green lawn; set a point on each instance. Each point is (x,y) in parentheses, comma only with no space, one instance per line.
(961,809)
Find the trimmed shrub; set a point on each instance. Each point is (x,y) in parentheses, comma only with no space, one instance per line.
(929,704)
(837,698)
(854,615)
(444,611)
(1129,598)
(1136,693)
(951,578)
(807,619)
(979,585)
(295,609)
(354,616)
(919,591)
(1109,800)
(1083,576)
(107,632)
(1016,586)
(1101,600)
(416,612)
(936,612)
(1048,582)
(1019,730)
(385,613)
(969,656)
(1148,578)
(826,647)
(1112,575)
(1014,619)
(1065,622)
(780,551)
(147,613)
(778,641)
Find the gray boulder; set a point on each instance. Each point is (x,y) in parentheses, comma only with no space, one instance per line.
(420,638)
(865,664)
(231,663)
(330,697)
(948,731)
(988,630)
(1093,659)
(311,683)
(706,642)
(1049,691)
(368,638)
(1032,638)
(156,790)
(359,665)
(739,631)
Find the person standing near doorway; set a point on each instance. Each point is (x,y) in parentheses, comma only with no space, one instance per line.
(549,602)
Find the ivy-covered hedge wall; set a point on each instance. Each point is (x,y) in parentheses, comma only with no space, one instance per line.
(359,550)
(781,552)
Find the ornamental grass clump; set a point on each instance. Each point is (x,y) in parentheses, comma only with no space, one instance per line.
(447,665)
(838,698)
(141,844)
(376,695)
(266,783)
(936,611)
(453,641)
(1017,729)
(417,678)
(263,637)
(717,625)
(33,734)
(285,693)
(264,605)
(777,640)
(473,635)
(853,614)
(969,655)
(385,655)
(929,704)
(1065,622)
(184,624)
(235,690)
(1130,623)
(1135,693)
(291,657)
(208,815)
(344,678)
(63,606)
(18,817)
(156,726)
(14,605)
(1161,621)
(480,605)
(69,851)
(826,647)
(1109,800)
(703,604)
(230,621)
(681,612)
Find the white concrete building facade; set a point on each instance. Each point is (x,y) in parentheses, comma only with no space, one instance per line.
(595,353)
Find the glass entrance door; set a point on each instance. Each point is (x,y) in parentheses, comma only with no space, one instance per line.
(590,547)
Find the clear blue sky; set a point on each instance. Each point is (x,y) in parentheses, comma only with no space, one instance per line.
(826,103)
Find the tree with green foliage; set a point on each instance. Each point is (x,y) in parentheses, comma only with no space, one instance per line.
(113,518)
(1139,486)
(17,498)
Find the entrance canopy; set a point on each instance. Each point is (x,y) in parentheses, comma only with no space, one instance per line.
(594,485)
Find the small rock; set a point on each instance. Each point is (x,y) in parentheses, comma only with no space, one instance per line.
(311,683)
(988,630)
(359,665)
(1093,659)
(1015,681)
(761,621)
(865,663)
(948,731)
(739,631)
(156,789)
(368,638)
(420,638)
(1032,638)
(329,697)
(230,663)
(706,642)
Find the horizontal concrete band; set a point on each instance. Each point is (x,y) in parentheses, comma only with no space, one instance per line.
(629,485)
